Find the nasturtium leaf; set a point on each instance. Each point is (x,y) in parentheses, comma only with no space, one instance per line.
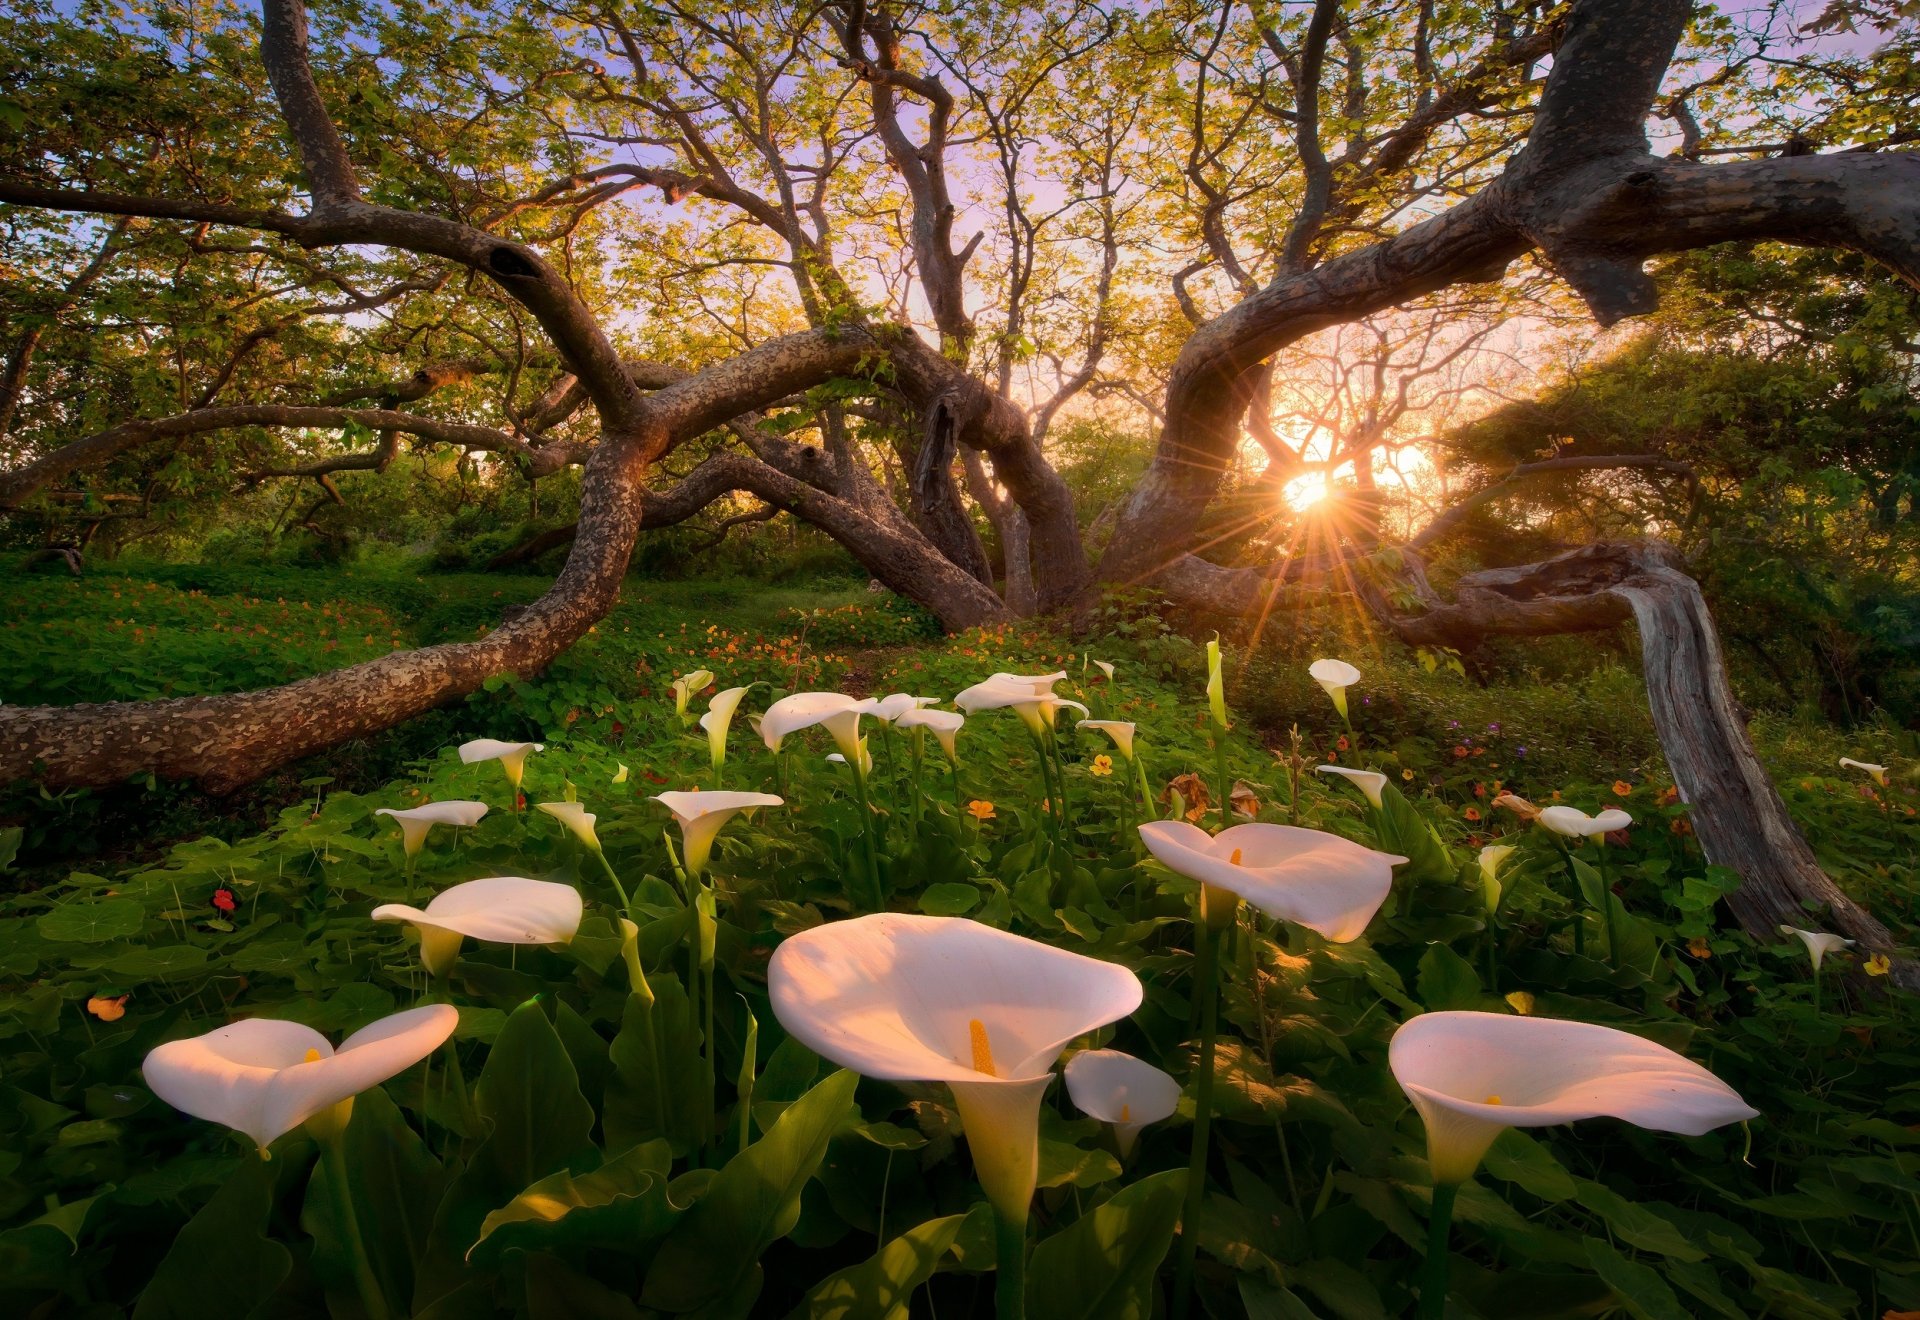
(752,1203)
(1642,1290)
(158,964)
(1102,1266)
(1065,1165)
(92,923)
(1517,1158)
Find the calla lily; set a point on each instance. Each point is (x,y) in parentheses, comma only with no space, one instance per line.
(1119,1089)
(1577,824)
(1216,684)
(417,822)
(1105,668)
(718,718)
(944,725)
(943,999)
(502,909)
(1037,706)
(1311,878)
(512,756)
(1121,731)
(620,775)
(1471,1075)
(1369,782)
(1819,943)
(1492,858)
(1336,676)
(1878,772)
(702,814)
(890,708)
(265,1077)
(1037,682)
(838,712)
(576,818)
(686,685)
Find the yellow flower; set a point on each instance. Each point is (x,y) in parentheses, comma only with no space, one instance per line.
(1102,765)
(1521,1002)
(980,810)
(1407,775)
(1699,948)
(1878,965)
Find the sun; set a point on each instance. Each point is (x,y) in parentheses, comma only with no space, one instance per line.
(1302,493)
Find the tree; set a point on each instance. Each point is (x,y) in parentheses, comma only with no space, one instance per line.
(1312,141)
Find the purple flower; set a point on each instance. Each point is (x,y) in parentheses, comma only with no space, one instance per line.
(1523,751)
(1493,728)
(1453,724)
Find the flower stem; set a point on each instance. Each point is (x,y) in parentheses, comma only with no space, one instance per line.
(1010,1267)
(1206,986)
(626,906)
(333,1151)
(1433,1277)
(876,896)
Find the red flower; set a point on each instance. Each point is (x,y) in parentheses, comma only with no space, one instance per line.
(223,899)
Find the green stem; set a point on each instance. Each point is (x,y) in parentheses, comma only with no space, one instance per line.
(1060,778)
(626,906)
(333,1151)
(876,896)
(1010,1267)
(1206,986)
(1606,901)
(959,806)
(1146,790)
(1433,1278)
(1225,781)
(1816,992)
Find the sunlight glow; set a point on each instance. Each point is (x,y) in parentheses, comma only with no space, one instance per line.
(1302,493)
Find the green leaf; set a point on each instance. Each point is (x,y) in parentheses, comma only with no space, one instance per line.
(92,923)
(230,1231)
(949,898)
(1102,1267)
(1643,1291)
(10,843)
(752,1203)
(1446,980)
(618,1206)
(880,1287)
(1637,1225)
(651,1092)
(158,964)
(1517,1158)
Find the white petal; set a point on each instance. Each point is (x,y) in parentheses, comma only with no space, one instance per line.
(1032,682)
(1121,731)
(1369,782)
(1544,1072)
(1311,878)
(501,909)
(803,710)
(892,995)
(576,818)
(454,811)
(492,749)
(365,1059)
(1333,673)
(1577,824)
(224,1075)
(1103,1083)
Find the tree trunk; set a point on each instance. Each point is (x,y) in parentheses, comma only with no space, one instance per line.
(1736,811)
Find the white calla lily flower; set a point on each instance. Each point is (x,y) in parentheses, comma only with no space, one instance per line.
(1121,731)
(1369,782)
(1819,943)
(1119,1089)
(944,725)
(1335,677)
(891,707)
(1492,858)
(1034,682)
(686,685)
(701,816)
(578,820)
(418,822)
(512,756)
(1577,824)
(717,720)
(1105,668)
(1471,1075)
(1036,706)
(505,909)
(1309,877)
(266,1077)
(837,711)
(1877,772)
(943,999)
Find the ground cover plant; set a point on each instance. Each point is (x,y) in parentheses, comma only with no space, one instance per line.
(623,1122)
